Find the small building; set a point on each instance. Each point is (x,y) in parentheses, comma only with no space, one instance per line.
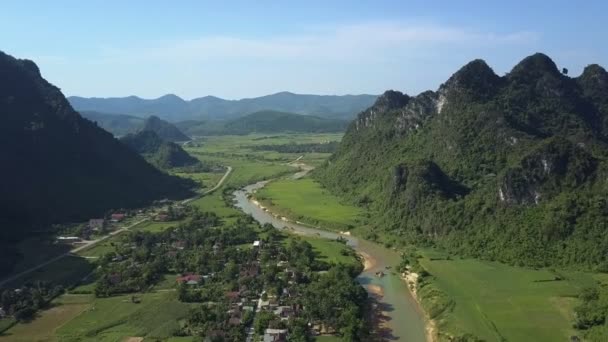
(117,217)
(115,278)
(97,224)
(180,244)
(284,312)
(251,270)
(216,248)
(161,218)
(68,238)
(189,279)
(233,296)
(256,243)
(275,335)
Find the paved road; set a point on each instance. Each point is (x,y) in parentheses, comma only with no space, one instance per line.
(92,243)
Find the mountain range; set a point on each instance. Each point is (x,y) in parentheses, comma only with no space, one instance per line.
(58,166)
(173,108)
(509,168)
(266,121)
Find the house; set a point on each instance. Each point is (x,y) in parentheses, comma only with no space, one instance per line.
(216,248)
(161,217)
(275,335)
(234,321)
(233,296)
(117,217)
(180,244)
(68,238)
(251,270)
(189,279)
(284,312)
(256,243)
(97,224)
(115,278)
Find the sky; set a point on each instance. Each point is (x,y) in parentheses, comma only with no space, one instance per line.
(240,49)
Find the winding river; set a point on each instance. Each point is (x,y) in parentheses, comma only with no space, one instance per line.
(398,315)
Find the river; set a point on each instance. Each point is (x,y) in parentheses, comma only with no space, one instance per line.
(400,317)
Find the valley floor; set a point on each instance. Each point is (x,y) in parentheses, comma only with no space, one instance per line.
(490,300)
(493,301)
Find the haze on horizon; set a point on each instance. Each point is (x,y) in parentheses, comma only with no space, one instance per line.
(193,49)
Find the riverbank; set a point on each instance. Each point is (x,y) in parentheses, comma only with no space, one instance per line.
(397,315)
(411,279)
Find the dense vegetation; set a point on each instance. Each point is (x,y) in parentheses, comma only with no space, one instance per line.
(57,166)
(328,147)
(266,121)
(117,124)
(160,153)
(506,168)
(164,129)
(228,278)
(24,302)
(173,108)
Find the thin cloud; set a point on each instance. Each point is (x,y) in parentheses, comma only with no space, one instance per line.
(358,41)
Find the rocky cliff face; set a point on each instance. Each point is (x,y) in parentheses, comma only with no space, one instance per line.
(484,158)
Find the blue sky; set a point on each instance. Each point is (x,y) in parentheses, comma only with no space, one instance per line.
(236,49)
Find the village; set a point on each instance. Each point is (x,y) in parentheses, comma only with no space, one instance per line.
(249,282)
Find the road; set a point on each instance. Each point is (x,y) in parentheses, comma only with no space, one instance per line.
(92,243)
(217,186)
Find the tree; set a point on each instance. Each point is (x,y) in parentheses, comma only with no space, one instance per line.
(565,71)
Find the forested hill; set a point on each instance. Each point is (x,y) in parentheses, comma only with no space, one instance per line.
(266,121)
(271,121)
(58,166)
(164,129)
(173,108)
(508,168)
(160,153)
(117,124)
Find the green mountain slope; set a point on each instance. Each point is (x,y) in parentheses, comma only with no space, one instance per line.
(164,130)
(271,121)
(506,168)
(266,121)
(163,154)
(117,124)
(57,166)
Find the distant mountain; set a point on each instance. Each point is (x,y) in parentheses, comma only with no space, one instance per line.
(117,124)
(173,108)
(159,152)
(266,121)
(57,166)
(164,130)
(509,168)
(272,121)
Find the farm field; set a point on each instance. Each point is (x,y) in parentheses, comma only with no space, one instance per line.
(307,201)
(500,302)
(117,318)
(43,328)
(493,301)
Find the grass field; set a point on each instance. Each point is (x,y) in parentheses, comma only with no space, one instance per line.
(330,251)
(496,301)
(44,326)
(116,318)
(305,200)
